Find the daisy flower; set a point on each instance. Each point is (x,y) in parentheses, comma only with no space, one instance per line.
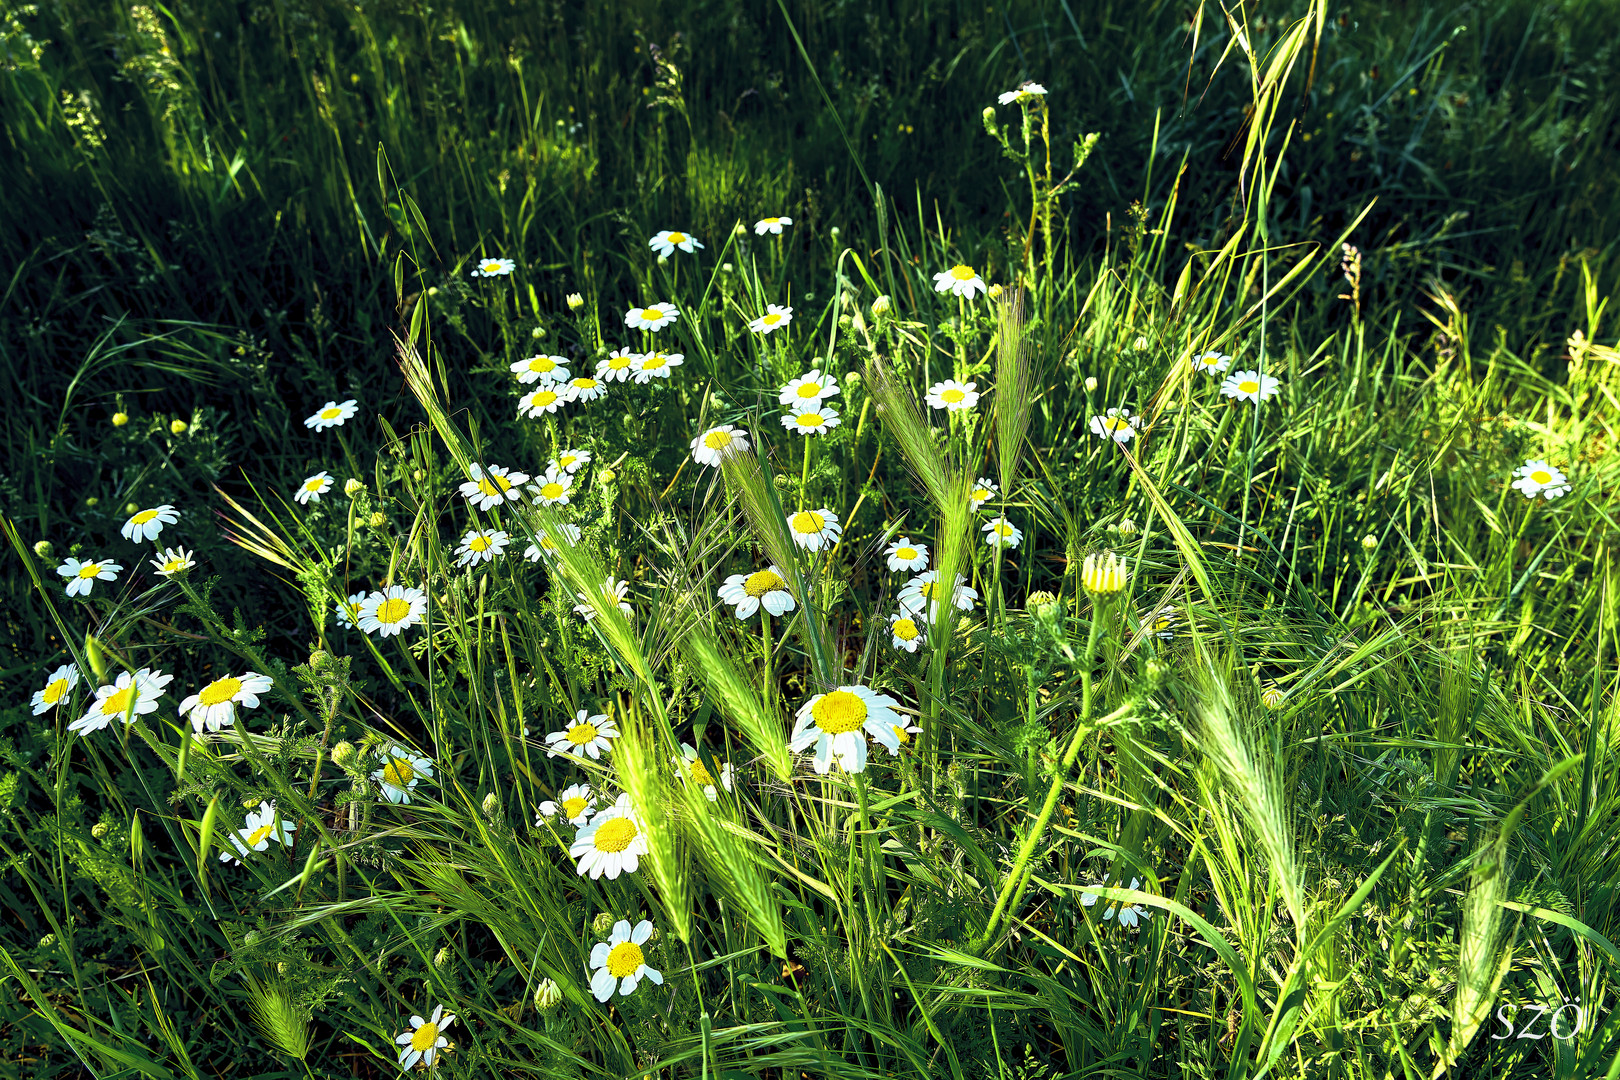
(332,414)
(611,843)
(387,613)
(811,420)
(545,546)
(401,771)
(904,734)
(57,687)
(490,487)
(772,225)
(554,488)
(313,488)
(573,803)
(262,826)
(833,723)
(1249,386)
(570,461)
(173,561)
(82,575)
(984,490)
(652,318)
(494,268)
(666,242)
(711,447)
(586,735)
(214,706)
(814,529)
(421,1044)
(1025,92)
(961,280)
(541,368)
(904,632)
(619,961)
(1165,621)
(348,611)
(774,319)
(809,390)
(1002,533)
(920,590)
(690,766)
(124,699)
(904,555)
(657,365)
(612,592)
(585,388)
(762,589)
(619,365)
(481,545)
(546,398)
(1103,574)
(148,523)
(1128,916)
(1211,363)
(1534,478)
(1116,424)
(952,395)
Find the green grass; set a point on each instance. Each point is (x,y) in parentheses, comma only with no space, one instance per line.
(1364,795)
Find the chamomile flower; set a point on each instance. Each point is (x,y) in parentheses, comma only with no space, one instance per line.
(667,241)
(421,1044)
(811,420)
(1128,915)
(951,395)
(585,388)
(904,632)
(618,366)
(545,398)
(611,843)
(574,804)
(653,318)
(1534,478)
(762,589)
(657,365)
(481,545)
(490,487)
(544,545)
(1116,424)
(125,698)
(173,561)
(57,688)
(690,766)
(1249,386)
(554,488)
(918,593)
(148,523)
(1211,363)
(612,592)
(1165,622)
(494,268)
(620,962)
(961,280)
(716,444)
(570,461)
(401,771)
(984,489)
(542,369)
(587,735)
(1002,533)
(772,225)
(332,414)
(1026,92)
(313,488)
(833,723)
(905,555)
(214,706)
(774,319)
(814,529)
(261,827)
(82,575)
(809,390)
(348,611)
(387,613)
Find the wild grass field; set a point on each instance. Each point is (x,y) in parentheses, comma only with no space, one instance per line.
(476,476)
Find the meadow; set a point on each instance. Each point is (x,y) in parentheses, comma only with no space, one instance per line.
(808,539)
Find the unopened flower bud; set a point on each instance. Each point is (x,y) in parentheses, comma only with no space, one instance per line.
(989,116)
(100,829)
(1271,697)
(725,268)
(1039,598)
(433,290)
(344,755)
(119,419)
(1127,527)
(281,968)
(994,292)
(92,501)
(319,659)
(1369,542)
(353,486)
(538,332)
(178,427)
(606,476)
(834,233)
(43,549)
(1103,575)
(575,301)
(880,307)
(441,959)
(548,995)
(132,508)
(378,520)
(492,806)
(603,923)
(1091,383)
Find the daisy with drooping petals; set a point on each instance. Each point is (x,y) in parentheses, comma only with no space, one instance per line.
(1116,424)
(690,766)
(541,368)
(585,388)
(1249,386)
(481,545)
(904,555)
(716,444)
(570,461)
(1534,478)
(82,575)
(313,488)
(811,420)
(586,735)
(762,589)
(173,561)
(619,961)
(904,632)
(573,803)
(809,390)
(148,523)
(1211,363)
(961,280)
(1002,533)
(919,593)
(618,366)
(401,771)
(774,319)
(772,225)
(57,688)
(332,414)
(657,365)
(545,546)
(814,529)
(387,613)
(833,723)
(490,487)
(904,734)
(214,706)
(951,395)
(652,319)
(127,697)
(348,611)
(261,827)
(494,268)
(1165,622)
(545,398)
(1128,915)
(1028,91)
(984,489)
(611,843)
(554,488)
(667,241)
(421,1044)
(611,591)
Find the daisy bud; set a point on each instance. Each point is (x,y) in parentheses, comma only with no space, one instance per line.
(492,806)
(538,332)
(319,659)
(606,476)
(834,233)
(281,968)
(1369,542)
(1091,383)
(178,427)
(44,549)
(880,307)
(603,923)
(344,755)
(100,830)
(989,116)
(994,292)
(575,301)
(132,508)
(433,290)
(119,419)
(1271,698)
(1039,599)
(353,487)
(725,268)
(740,230)
(378,520)
(852,378)
(1103,575)
(441,959)
(49,940)
(548,995)
(250,938)
(92,501)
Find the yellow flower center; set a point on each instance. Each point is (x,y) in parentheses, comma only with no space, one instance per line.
(927,590)
(174,566)
(772,319)
(677,238)
(143,517)
(653,362)
(953,395)
(393,610)
(545,542)
(1248,386)
(901,733)
(1209,361)
(585,382)
(542,398)
(314,483)
(905,629)
(580,734)
(625,959)
(962,272)
(541,364)
(331,414)
(717,440)
(119,703)
(256,837)
(494,485)
(56,691)
(567,459)
(89,570)
(838,712)
(220,690)
(808,521)
(1162,624)
(1116,423)
(572,808)
(700,775)
(616,835)
(980,494)
(619,363)
(1541,476)
(425,1037)
(810,419)
(810,390)
(651,314)
(907,553)
(478,543)
(763,581)
(552,490)
(1003,529)
(769,221)
(398,773)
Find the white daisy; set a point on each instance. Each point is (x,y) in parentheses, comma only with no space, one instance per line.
(494,268)
(421,1044)
(401,771)
(573,803)
(1129,915)
(619,961)
(904,734)
(904,632)
(57,688)
(771,225)
(490,487)
(1116,424)
(1534,478)
(481,545)
(348,611)
(585,388)
(261,827)
(173,561)
(1249,386)
(811,420)
(833,723)
(653,318)
(570,461)
(148,523)
(1002,533)
(762,589)
(952,395)
(1165,622)
(667,241)
(82,575)
(904,555)
(614,592)
(545,398)
(1025,92)
(619,365)
(814,529)
(774,319)
(711,447)
(919,591)
(961,280)
(611,843)
(984,489)
(586,735)
(1211,363)
(124,699)
(544,545)
(657,365)
(690,766)
(387,613)
(214,706)
(809,390)
(554,488)
(313,488)
(541,368)
(332,414)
